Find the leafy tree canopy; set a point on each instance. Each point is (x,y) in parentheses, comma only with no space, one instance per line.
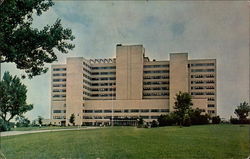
(72,119)
(12,98)
(22,121)
(242,110)
(27,47)
(183,102)
(40,120)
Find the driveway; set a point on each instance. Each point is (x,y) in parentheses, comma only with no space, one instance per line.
(12,133)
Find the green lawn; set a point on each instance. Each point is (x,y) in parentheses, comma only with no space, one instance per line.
(209,141)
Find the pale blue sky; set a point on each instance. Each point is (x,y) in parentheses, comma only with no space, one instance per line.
(203,29)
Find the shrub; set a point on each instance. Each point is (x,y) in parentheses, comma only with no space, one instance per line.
(237,121)
(167,120)
(4,126)
(140,123)
(154,124)
(216,120)
(197,118)
(234,121)
(186,120)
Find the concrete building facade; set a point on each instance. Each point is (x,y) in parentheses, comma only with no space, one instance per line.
(98,91)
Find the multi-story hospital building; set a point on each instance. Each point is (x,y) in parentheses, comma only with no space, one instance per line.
(129,86)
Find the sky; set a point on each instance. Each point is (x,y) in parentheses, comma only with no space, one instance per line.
(210,29)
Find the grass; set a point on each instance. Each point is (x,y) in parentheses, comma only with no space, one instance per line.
(208,141)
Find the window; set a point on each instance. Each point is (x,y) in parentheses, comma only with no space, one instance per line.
(107,111)
(59,95)
(56,111)
(203,64)
(59,85)
(88,111)
(59,80)
(154,110)
(126,111)
(154,117)
(156,66)
(117,111)
(59,69)
(59,90)
(164,110)
(145,117)
(145,110)
(97,117)
(210,105)
(158,71)
(107,117)
(87,117)
(97,111)
(59,74)
(210,99)
(101,68)
(202,70)
(211,111)
(134,110)
(197,93)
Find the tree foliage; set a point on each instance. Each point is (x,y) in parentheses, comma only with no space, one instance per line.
(140,122)
(168,119)
(22,121)
(72,119)
(216,120)
(27,47)
(154,124)
(12,98)
(183,102)
(40,120)
(242,110)
(197,118)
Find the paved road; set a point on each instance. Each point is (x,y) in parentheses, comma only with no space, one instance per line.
(12,133)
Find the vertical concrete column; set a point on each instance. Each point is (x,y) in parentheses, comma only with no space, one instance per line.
(129,72)
(178,76)
(74,89)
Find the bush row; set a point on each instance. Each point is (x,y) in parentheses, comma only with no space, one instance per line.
(238,121)
(194,117)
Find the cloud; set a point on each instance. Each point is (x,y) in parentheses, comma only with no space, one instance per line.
(210,29)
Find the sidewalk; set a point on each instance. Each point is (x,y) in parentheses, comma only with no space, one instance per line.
(12,133)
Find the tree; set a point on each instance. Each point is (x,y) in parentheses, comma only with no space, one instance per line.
(72,119)
(197,118)
(242,110)
(140,122)
(12,98)
(22,121)
(186,120)
(154,124)
(40,120)
(27,47)
(167,120)
(216,120)
(182,103)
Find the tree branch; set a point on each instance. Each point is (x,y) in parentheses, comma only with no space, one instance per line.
(1,1)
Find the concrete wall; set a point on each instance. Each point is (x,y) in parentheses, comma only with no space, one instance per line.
(129,72)
(178,76)
(74,89)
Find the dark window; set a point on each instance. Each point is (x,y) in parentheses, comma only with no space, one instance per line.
(107,111)
(154,110)
(88,111)
(98,111)
(134,110)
